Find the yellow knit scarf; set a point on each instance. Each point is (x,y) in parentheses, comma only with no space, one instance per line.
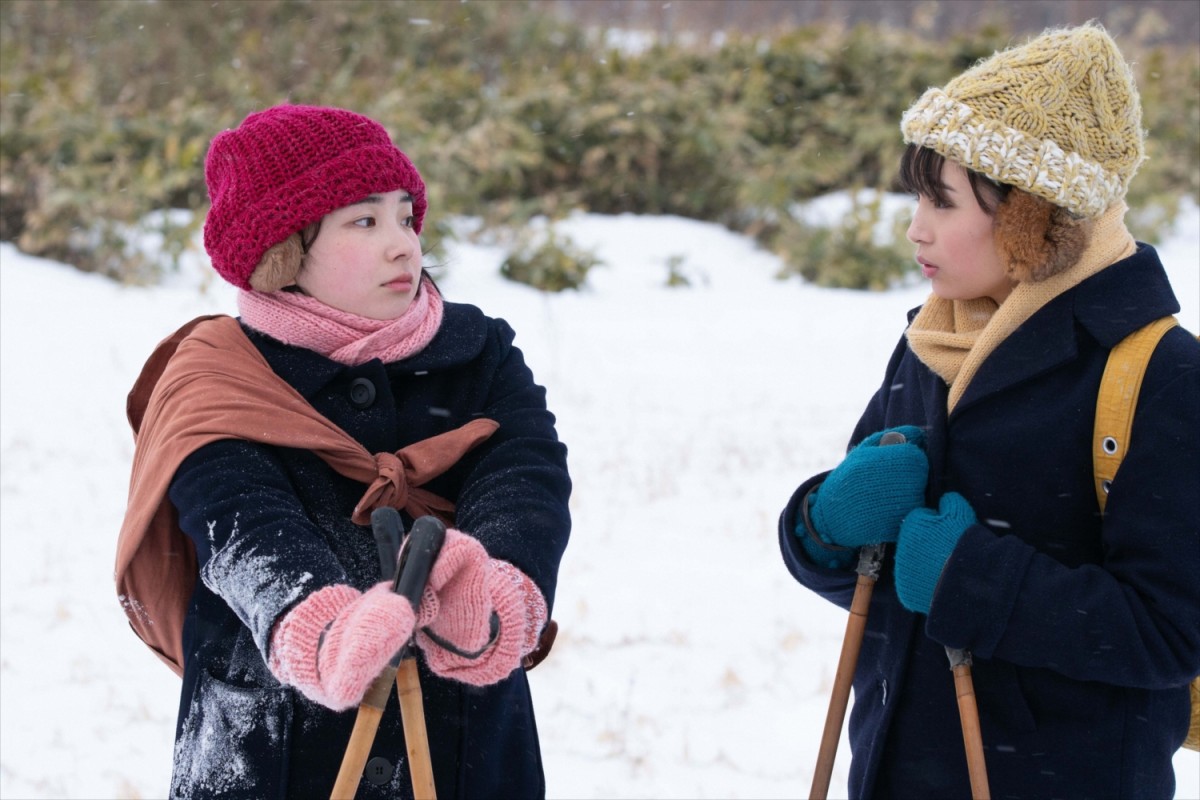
(954,337)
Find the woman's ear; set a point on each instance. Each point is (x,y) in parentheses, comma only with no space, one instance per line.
(1037,239)
(279,266)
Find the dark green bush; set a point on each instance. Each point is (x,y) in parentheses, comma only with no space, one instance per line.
(553,265)
(865,250)
(107,108)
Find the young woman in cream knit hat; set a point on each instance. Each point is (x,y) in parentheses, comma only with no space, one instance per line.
(1084,626)
(246,559)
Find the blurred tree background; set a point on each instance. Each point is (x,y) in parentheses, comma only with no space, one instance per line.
(731,111)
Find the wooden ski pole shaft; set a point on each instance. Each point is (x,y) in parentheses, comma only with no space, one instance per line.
(856,626)
(870,559)
(416,739)
(362,737)
(968,712)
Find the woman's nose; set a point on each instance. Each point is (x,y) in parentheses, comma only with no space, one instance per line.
(401,240)
(916,233)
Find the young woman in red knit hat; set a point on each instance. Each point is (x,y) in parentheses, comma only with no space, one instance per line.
(246,559)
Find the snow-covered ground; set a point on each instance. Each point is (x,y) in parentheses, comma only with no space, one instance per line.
(689,663)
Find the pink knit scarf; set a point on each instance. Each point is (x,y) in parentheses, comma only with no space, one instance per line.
(304,321)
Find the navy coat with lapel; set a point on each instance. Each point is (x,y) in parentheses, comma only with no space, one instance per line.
(272,525)
(1085,630)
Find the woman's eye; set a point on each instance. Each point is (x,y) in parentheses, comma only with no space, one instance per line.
(365,222)
(933,202)
(409,221)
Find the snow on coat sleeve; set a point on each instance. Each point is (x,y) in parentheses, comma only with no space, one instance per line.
(256,547)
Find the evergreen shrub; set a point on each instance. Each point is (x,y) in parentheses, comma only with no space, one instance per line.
(554,264)
(107,107)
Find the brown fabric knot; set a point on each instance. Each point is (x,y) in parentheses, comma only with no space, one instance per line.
(399,475)
(390,488)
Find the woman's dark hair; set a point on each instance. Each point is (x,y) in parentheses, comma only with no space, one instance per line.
(921,174)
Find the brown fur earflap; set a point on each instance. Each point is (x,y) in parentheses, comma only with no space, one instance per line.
(1036,238)
(279,266)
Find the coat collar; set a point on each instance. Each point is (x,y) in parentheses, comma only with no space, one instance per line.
(1128,295)
(1107,306)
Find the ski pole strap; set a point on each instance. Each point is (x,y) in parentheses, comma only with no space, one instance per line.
(812,529)
(545,641)
(450,647)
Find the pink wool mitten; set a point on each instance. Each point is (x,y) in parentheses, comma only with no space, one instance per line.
(337,640)
(467,587)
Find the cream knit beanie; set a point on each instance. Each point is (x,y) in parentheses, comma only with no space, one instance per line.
(1059,117)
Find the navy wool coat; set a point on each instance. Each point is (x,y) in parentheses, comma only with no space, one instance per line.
(272,525)
(1085,629)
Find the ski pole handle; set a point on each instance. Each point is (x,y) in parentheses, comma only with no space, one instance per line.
(420,550)
(388,529)
(416,561)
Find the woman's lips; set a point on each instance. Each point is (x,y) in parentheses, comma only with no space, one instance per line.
(927,269)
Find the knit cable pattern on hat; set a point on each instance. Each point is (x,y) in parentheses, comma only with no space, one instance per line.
(1059,117)
(346,338)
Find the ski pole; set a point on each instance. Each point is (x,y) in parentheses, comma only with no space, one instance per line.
(411,584)
(968,712)
(411,574)
(870,558)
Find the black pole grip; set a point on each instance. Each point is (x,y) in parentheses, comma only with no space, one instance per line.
(388,528)
(421,549)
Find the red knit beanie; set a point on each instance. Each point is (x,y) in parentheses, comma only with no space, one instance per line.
(285,168)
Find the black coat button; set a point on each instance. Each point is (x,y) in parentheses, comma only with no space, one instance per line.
(378,770)
(362,393)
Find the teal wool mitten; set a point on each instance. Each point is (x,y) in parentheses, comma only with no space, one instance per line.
(864,500)
(927,538)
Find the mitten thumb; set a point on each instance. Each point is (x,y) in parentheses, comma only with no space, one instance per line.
(927,538)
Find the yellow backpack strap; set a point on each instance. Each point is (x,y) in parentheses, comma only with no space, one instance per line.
(1114,420)
(1118,398)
